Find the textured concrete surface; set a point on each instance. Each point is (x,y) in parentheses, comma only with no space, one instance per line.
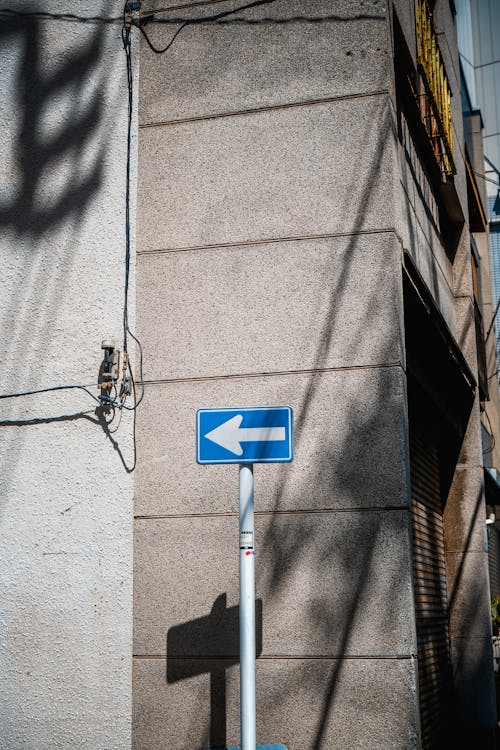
(438,282)
(404,10)
(346,9)
(464,518)
(462,270)
(422,199)
(277,188)
(468,591)
(351,703)
(274,174)
(350,444)
(271,308)
(471,454)
(468,600)
(66,499)
(273,54)
(331,584)
(473,656)
(465,331)
(474,678)
(417,223)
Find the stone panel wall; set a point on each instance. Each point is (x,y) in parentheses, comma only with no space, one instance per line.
(269,272)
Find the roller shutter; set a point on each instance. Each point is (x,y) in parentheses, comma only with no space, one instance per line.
(434,671)
(494,560)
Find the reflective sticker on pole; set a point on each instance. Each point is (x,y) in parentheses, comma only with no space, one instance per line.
(246,539)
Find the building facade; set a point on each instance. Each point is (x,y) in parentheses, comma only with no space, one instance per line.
(304,235)
(306,242)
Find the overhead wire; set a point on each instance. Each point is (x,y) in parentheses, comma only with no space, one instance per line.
(486,179)
(165,49)
(34,392)
(197,21)
(127,46)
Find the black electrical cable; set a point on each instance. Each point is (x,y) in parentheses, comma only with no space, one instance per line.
(128,53)
(127,46)
(486,179)
(165,49)
(197,21)
(54,388)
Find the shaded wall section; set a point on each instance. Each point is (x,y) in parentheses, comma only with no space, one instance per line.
(66,493)
(425,233)
(269,273)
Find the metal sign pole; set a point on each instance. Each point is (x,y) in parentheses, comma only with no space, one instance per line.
(244,436)
(247,610)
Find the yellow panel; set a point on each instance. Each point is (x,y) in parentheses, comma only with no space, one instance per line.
(437,84)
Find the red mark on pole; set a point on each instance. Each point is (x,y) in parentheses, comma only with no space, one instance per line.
(248,552)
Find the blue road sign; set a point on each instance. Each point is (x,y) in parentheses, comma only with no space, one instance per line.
(244,436)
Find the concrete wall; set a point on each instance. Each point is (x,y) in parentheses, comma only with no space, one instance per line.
(66,494)
(491,414)
(269,272)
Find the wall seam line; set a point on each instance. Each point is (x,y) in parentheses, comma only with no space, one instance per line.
(290,512)
(268,241)
(276,373)
(275,657)
(268,108)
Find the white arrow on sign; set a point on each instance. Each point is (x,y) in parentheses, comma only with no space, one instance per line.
(229,434)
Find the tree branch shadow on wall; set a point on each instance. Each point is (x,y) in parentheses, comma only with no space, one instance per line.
(30,211)
(228,17)
(56,156)
(56,113)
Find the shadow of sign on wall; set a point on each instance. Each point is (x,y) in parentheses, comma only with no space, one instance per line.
(210,644)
